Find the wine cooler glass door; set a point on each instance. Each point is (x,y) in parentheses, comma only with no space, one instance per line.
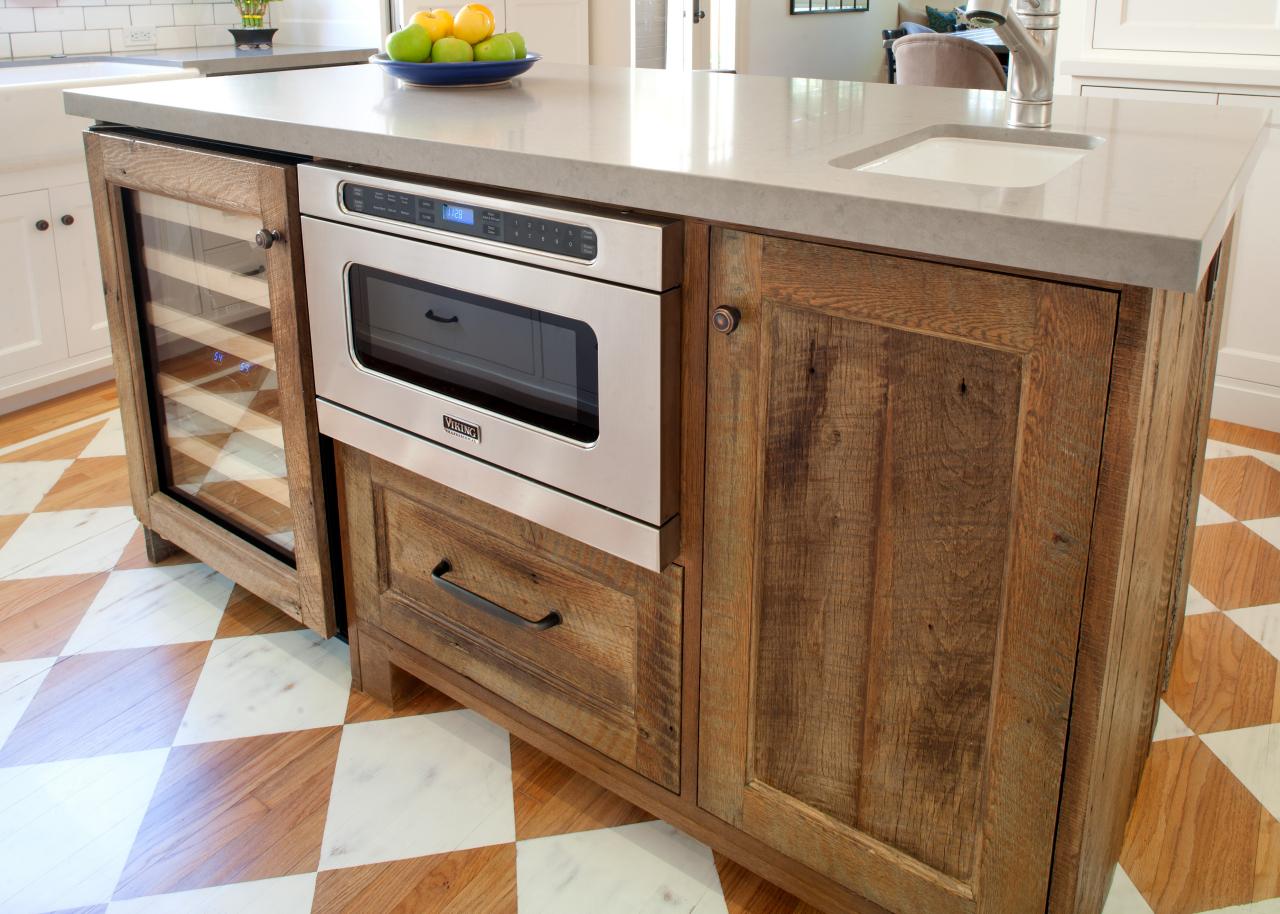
(204,304)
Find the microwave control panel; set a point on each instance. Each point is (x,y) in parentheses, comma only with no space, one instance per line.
(576,241)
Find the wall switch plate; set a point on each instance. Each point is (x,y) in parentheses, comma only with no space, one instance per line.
(138,35)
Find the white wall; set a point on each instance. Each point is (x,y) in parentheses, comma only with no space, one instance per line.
(825,45)
(329,22)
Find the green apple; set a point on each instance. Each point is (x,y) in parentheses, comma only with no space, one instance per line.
(517,42)
(411,44)
(451,50)
(496,48)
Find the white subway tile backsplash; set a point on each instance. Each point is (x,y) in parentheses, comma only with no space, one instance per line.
(226,13)
(82,2)
(36,44)
(4,46)
(108,17)
(17,20)
(175,36)
(193,14)
(59,19)
(155,14)
(212,36)
(94,41)
(32,3)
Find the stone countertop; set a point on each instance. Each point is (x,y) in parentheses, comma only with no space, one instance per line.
(1147,207)
(218,61)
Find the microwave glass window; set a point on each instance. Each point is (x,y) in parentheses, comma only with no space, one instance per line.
(205,311)
(518,362)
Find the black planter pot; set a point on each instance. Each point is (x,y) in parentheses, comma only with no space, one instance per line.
(250,39)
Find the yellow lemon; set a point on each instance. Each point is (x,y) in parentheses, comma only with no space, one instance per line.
(446,15)
(473,24)
(436,26)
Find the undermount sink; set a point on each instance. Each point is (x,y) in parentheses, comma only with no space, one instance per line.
(986,156)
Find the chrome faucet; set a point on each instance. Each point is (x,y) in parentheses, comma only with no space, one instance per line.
(1029,29)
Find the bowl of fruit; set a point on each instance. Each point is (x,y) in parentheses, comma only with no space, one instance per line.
(440,48)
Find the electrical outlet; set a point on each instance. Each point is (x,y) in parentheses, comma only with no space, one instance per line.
(140,35)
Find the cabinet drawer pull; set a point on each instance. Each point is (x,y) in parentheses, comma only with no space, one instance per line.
(475,601)
(42,225)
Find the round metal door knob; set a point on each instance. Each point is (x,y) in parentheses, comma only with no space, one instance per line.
(725,319)
(42,225)
(68,219)
(266,237)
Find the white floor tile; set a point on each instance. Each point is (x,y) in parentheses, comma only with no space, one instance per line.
(268,684)
(414,786)
(1124,897)
(1268,528)
(150,606)
(1252,754)
(67,542)
(1262,623)
(650,868)
(109,442)
(1209,513)
(19,682)
(24,484)
(1216,449)
(66,828)
(282,895)
(1169,725)
(1270,906)
(1198,603)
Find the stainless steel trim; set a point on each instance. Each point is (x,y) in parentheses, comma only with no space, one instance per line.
(635,251)
(623,470)
(649,546)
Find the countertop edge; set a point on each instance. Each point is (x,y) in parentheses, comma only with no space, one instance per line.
(1092,254)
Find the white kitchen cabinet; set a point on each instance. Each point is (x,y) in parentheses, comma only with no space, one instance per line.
(33,331)
(1235,27)
(83,308)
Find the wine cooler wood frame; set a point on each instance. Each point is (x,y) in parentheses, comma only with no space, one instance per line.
(268,192)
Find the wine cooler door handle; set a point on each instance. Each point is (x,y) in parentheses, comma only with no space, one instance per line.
(475,601)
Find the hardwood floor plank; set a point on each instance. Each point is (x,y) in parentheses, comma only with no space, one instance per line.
(90,482)
(1256,438)
(234,811)
(747,893)
(62,447)
(249,614)
(38,615)
(1244,486)
(479,881)
(1222,679)
(1234,567)
(108,702)
(1197,839)
(553,799)
(45,417)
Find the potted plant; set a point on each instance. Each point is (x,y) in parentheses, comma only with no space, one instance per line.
(252,34)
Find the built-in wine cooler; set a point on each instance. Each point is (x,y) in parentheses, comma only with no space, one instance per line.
(202,257)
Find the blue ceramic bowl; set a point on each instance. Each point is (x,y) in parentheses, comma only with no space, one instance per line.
(470,73)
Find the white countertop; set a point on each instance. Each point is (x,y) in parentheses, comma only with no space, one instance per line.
(1148,207)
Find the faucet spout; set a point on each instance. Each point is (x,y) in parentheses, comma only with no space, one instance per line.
(1030,32)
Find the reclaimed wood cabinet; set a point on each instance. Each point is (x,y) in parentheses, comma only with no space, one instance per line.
(936,521)
(202,269)
(895,564)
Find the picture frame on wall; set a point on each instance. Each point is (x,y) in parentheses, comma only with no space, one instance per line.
(805,7)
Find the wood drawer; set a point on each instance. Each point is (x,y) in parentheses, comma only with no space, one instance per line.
(464,582)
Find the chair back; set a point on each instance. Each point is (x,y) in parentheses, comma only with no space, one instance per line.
(947,61)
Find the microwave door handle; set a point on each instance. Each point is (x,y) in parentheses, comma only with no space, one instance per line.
(475,601)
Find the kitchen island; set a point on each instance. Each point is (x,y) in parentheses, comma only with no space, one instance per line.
(883,603)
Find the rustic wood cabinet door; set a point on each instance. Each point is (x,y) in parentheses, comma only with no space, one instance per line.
(901,466)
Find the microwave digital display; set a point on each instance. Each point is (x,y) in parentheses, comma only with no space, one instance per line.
(463,215)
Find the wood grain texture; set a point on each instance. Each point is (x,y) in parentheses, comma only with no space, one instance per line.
(479,881)
(1234,567)
(39,615)
(268,192)
(609,673)
(1152,452)
(234,811)
(894,569)
(1245,487)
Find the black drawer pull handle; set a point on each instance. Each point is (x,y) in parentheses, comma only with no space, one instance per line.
(432,316)
(475,601)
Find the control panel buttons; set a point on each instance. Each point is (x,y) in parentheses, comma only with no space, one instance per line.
(576,241)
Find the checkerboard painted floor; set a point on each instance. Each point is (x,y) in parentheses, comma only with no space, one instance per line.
(169,743)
